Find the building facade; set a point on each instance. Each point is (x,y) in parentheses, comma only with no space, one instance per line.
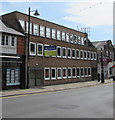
(108,52)
(12,57)
(57,54)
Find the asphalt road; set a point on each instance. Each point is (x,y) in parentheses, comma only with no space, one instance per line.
(88,102)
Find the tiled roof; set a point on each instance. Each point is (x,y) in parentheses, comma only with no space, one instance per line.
(4,28)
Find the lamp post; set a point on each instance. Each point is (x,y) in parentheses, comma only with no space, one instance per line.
(27,50)
(102,74)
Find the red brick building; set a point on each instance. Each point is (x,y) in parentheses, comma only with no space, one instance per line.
(57,54)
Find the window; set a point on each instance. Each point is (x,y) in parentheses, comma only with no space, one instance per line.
(58,35)
(85,54)
(91,55)
(75,39)
(74,72)
(79,40)
(77,54)
(63,36)
(36,29)
(58,51)
(64,72)
(42,31)
(95,56)
(32,48)
(82,40)
(53,33)
(48,32)
(89,71)
(64,52)
(78,72)
(82,72)
(73,53)
(88,55)
(12,41)
(69,72)
(69,52)
(59,73)
(7,40)
(81,54)
(40,49)
(71,38)
(47,73)
(22,23)
(67,37)
(30,27)
(53,73)
(3,40)
(85,72)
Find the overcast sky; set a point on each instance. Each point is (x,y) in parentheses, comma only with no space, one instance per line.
(94,14)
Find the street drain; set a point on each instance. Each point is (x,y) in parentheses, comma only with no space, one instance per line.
(66,106)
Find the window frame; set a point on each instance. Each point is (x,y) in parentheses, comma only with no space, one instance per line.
(86,55)
(89,55)
(69,68)
(74,53)
(49,73)
(59,68)
(42,31)
(72,72)
(32,54)
(86,72)
(53,78)
(36,31)
(83,71)
(92,57)
(89,68)
(58,35)
(64,77)
(48,33)
(95,56)
(60,52)
(65,52)
(42,49)
(63,34)
(77,72)
(82,54)
(53,33)
(70,52)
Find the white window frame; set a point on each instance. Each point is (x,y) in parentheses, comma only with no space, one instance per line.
(42,31)
(86,55)
(71,38)
(65,72)
(48,32)
(53,34)
(59,68)
(95,54)
(79,72)
(82,54)
(83,71)
(69,68)
(63,36)
(27,27)
(76,53)
(33,54)
(70,52)
(89,55)
(60,51)
(65,52)
(92,56)
(67,37)
(90,71)
(86,71)
(72,72)
(42,49)
(58,35)
(36,29)
(44,73)
(53,68)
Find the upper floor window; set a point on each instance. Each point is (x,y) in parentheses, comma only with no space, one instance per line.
(88,55)
(22,24)
(3,40)
(7,40)
(91,55)
(58,51)
(85,54)
(28,26)
(54,33)
(12,41)
(73,53)
(67,37)
(64,52)
(81,54)
(40,49)
(71,38)
(69,52)
(36,29)
(79,40)
(95,56)
(75,39)
(63,36)
(32,48)
(42,31)
(48,32)
(77,54)
(58,35)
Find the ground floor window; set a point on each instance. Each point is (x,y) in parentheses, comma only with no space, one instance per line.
(12,76)
(59,73)
(82,72)
(64,73)
(47,73)
(53,73)
(74,72)
(78,72)
(89,71)
(69,72)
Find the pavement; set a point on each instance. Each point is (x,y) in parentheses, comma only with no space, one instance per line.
(44,89)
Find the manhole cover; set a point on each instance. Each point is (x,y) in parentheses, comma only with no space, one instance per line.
(66,106)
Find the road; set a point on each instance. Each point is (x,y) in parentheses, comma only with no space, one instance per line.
(87,102)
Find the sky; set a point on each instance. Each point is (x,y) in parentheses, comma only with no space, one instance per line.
(94,16)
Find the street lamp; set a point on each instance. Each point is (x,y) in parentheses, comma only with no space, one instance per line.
(102,74)
(28,40)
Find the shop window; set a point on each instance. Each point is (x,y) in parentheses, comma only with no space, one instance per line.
(78,72)
(85,54)
(40,49)
(82,72)
(36,29)
(32,48)
(64,72)
(47,73)
(73,53)
(12,76)
(74,72)
(67,37)
(53,33)
(64,52)
(59,73)
(63,36)
(48,32)
(77,54)
(42,31)
(69,52)
(53,73)
(58,51)
(58,35)
(69,72)
(81,54)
